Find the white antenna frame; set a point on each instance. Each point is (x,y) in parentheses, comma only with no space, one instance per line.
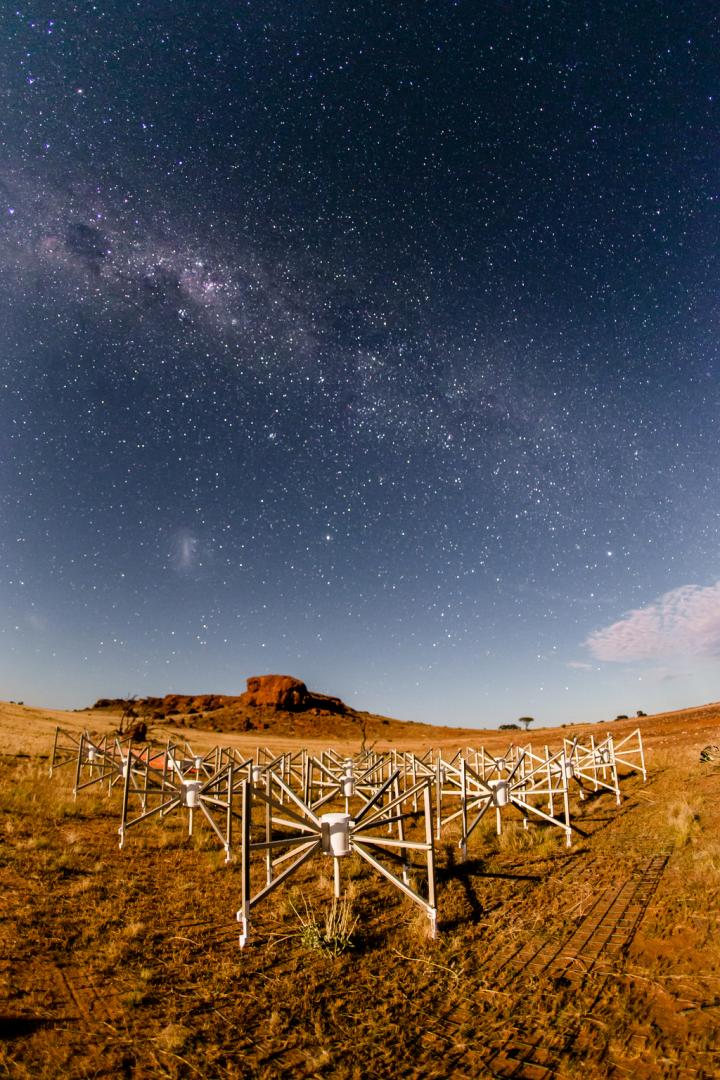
(335,834)
(213,796)
(505,791)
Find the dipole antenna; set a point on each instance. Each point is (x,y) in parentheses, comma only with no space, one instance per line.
(214,797)
(294,832)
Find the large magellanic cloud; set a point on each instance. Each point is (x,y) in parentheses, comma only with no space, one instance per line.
(682,622)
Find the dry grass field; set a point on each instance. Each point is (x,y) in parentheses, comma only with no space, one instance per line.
(598,960)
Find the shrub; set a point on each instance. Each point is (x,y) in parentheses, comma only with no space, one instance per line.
(332,935)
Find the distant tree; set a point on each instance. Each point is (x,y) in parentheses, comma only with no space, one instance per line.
(640,713)
(138,732)
(509,727)
(362,719)
(128,714)
(526,721)
(146,711)
(621,716)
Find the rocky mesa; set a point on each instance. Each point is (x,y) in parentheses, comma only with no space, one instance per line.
(275,704)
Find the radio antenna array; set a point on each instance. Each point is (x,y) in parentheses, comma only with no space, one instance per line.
(65,749)
(289,807)
(294,832)
(149,792)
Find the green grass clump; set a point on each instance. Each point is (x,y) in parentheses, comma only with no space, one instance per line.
(332,934)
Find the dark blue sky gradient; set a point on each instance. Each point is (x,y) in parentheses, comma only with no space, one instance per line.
(374,344)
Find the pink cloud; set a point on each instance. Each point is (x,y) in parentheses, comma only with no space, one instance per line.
(683,622)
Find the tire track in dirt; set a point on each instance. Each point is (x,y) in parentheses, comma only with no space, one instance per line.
(444,1040)
(605,931)
(90,1006)
(585,870)
(50,993)
(525,1057)
(604,934)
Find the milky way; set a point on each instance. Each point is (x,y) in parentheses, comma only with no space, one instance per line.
(376,348)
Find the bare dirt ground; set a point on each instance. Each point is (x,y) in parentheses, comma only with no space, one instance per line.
(601,960)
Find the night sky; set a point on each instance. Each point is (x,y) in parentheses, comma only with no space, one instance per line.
(372,343)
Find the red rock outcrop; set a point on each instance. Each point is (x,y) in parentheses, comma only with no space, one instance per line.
(285,693)
(276,692)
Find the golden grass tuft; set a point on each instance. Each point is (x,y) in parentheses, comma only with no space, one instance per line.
(174,1038)
(331,932)
(683,821)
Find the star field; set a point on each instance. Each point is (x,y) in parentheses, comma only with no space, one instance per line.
(372,344)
